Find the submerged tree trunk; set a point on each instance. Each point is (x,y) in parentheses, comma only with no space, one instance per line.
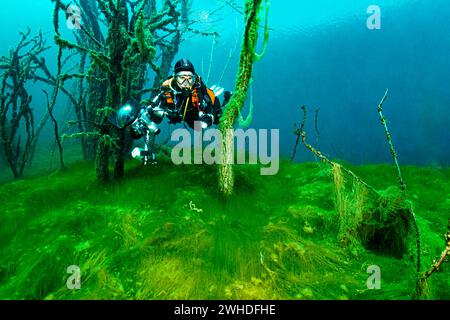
(118,44)
(226,178)
(18,135)
(117,69)
(96,90)
(102,161)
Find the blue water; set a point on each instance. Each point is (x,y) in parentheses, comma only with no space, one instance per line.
(321,54)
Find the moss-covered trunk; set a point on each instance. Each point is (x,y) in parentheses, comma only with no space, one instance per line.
(226,178)
(96,96)
(130,50)
(117,42)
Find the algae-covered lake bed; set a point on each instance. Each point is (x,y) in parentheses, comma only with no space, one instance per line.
(163,232)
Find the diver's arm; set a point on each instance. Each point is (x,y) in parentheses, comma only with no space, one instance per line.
(211,110)
(206,115)
(134,134)
(156,108)
(160,106)
(217,111)
(155,102)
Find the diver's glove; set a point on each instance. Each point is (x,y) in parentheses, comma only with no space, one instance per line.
(156,113)
(135,134)
(174,116)
(206,119)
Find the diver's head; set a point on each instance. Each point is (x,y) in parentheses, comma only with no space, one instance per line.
(183,65)
(185,80)
(184,73)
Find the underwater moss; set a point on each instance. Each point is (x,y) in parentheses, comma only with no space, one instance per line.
(228,119)
(134,241)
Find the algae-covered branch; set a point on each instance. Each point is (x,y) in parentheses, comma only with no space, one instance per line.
(248,56)
(114,63)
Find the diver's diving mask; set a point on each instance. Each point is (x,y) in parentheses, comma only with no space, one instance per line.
(185,79)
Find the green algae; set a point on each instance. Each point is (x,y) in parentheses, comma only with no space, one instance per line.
(164,233)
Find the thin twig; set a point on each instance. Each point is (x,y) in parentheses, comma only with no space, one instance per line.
(333,164)
(399,173)
(316,126)
(298,133)
(389,139)
(435,265)
(55,127)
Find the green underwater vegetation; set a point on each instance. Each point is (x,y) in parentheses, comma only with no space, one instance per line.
(163,232)
(313,231)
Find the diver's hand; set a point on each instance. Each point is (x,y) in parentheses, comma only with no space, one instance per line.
(206,119)
(135,134)
(174,116)
(156,113)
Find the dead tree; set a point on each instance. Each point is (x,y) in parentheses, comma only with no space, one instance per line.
(245,71)
(118,63)
(18,131)
(394,219)
(90,91)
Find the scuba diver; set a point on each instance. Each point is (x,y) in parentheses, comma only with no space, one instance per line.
(187,99)
(183,98)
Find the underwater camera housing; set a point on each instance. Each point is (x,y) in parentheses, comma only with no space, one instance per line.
(141,119)
(143,122)
(206,120)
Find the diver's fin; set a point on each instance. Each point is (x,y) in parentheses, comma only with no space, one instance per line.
(146,156)
(217,90)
